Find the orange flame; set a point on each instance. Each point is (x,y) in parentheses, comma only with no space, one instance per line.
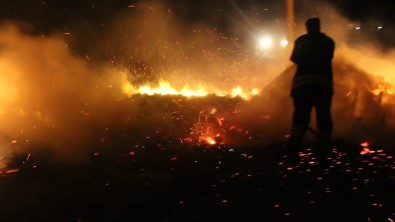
(386,92)
(165,88)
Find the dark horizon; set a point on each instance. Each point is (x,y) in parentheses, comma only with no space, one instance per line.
(93,15)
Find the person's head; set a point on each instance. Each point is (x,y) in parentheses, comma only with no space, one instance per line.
(313,25)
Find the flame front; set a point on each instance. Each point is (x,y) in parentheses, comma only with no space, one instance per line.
(165,88)
(386,89)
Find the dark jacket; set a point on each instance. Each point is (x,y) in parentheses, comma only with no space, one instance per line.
(313,54)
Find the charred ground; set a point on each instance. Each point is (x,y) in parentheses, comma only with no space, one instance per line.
(165,180)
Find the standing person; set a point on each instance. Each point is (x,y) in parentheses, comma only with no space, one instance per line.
(312,86)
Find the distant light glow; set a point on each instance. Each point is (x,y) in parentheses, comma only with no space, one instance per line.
(284,43)
(358,28)
(380,27)
(265,42)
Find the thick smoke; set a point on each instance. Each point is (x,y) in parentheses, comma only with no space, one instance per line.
(49,96)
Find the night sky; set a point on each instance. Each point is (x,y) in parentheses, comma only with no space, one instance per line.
(45,16)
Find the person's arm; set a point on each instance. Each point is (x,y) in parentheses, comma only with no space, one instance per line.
(296,53)
(328,50)
(332,49)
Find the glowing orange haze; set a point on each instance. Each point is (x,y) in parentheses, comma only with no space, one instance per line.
(45,89)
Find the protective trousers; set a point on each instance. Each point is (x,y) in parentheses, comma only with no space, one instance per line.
(303,105)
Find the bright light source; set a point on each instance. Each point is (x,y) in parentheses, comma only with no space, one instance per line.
(284,43)
(265,43)
(358,28)
(380,27)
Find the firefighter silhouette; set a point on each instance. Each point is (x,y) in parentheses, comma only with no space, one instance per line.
(312,86)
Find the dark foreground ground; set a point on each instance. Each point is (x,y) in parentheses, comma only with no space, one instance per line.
(177,182)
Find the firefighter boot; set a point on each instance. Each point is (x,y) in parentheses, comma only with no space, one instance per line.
(295,145)
(325,147)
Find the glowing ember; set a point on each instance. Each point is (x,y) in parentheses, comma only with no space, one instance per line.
(12,171)
(208,140)
(188,139)
(366,151)
(365,144)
